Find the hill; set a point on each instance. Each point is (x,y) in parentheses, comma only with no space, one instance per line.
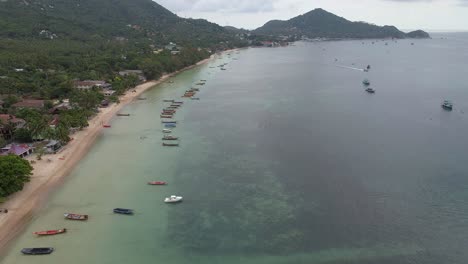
(89,20)
(319,23)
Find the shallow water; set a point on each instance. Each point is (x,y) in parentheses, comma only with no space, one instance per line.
(285,159)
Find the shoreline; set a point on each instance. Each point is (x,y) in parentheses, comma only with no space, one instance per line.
(23,205)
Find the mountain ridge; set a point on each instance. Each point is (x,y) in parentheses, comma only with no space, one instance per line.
(320,23)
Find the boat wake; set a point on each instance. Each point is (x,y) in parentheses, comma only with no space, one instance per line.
(350,68)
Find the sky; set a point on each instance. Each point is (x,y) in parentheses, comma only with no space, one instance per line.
(431,15)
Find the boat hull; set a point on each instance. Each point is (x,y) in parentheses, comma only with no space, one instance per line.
(76,217)
(37,251)
(50,232)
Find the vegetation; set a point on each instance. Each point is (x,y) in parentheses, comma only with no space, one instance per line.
(14,173)
(319,23)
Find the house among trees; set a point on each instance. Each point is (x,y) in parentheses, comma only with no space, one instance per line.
(86,85)
(138,73)
(8,123)
(30,103)
(22,150)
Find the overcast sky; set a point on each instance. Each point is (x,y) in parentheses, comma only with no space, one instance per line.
(433,15)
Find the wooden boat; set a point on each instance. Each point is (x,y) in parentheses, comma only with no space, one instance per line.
(202,80)
(141,98)
(167,131)
(166,116)
(366,82)
(157,183)
(195,98)
(37,251)
(169,122)
(170,125)
(169,137)
(50,232)
(168,101)
(107,126)
(123,114)
(176,106)
(178,102)
(76,217)
(170,144)
(123,211)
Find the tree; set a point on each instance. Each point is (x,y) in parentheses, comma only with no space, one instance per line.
(14,173)
(2,141)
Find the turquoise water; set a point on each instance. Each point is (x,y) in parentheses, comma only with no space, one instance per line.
(285,159)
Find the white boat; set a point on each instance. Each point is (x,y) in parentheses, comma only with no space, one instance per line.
(173,199)
(167,131)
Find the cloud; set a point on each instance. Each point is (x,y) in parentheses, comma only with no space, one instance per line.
(230,6)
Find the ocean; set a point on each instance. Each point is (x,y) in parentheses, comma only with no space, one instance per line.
(284,159)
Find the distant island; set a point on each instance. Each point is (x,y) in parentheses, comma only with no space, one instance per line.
(319,23)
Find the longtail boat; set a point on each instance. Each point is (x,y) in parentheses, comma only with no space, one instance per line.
(178,102)
(170,138)
(168,101)
(157,183)
(169,122)
(76,217)
(37,251)
(166,116)
(123,114)
(107,126)
(123,211)
(170,144)
(50,232)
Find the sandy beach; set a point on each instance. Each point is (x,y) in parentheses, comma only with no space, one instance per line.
(51,170)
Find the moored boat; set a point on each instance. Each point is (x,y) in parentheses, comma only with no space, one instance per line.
(123,211)
(50,232)
(170,137)
(167,131)
(447,105)
(123,114)
(157,183)
(173,199)
(166,116)
(170,144)
(169,125)
(169,122)
(370,90)
(178,102)
(107,126)
(76,217)
(37,251)
(366,82)
(195,98)
(168,101)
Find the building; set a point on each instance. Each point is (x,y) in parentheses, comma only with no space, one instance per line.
(8,123)
(108,93)
(138,73)
(30,103)
(22,150)
(171,46)
(88,84)
(53,146)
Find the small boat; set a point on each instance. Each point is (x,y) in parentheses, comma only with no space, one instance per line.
(170,144)
(366,82)
(50,232)
(37,251)
(167,131)
(223,69)
(76,217)
(168,101)
(169,137)
(107,126)
(195,98)
(176,106)
(166,116)
(178,102)
(123,114)
(170,125)
(202,80)
(447,105)
(141,98)
(370,90)
(169,122)
(173,199)
(157,183)
(123,211)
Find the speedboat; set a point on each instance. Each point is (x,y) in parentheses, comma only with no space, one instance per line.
(50,232)
(366,82)
(167,131)
(170,137)
(173,199)
(370,90)
(170,125)
(37,251)
(123,211)
(447,105)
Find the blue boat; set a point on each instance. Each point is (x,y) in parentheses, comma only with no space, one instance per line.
(123,211)
(170,125)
